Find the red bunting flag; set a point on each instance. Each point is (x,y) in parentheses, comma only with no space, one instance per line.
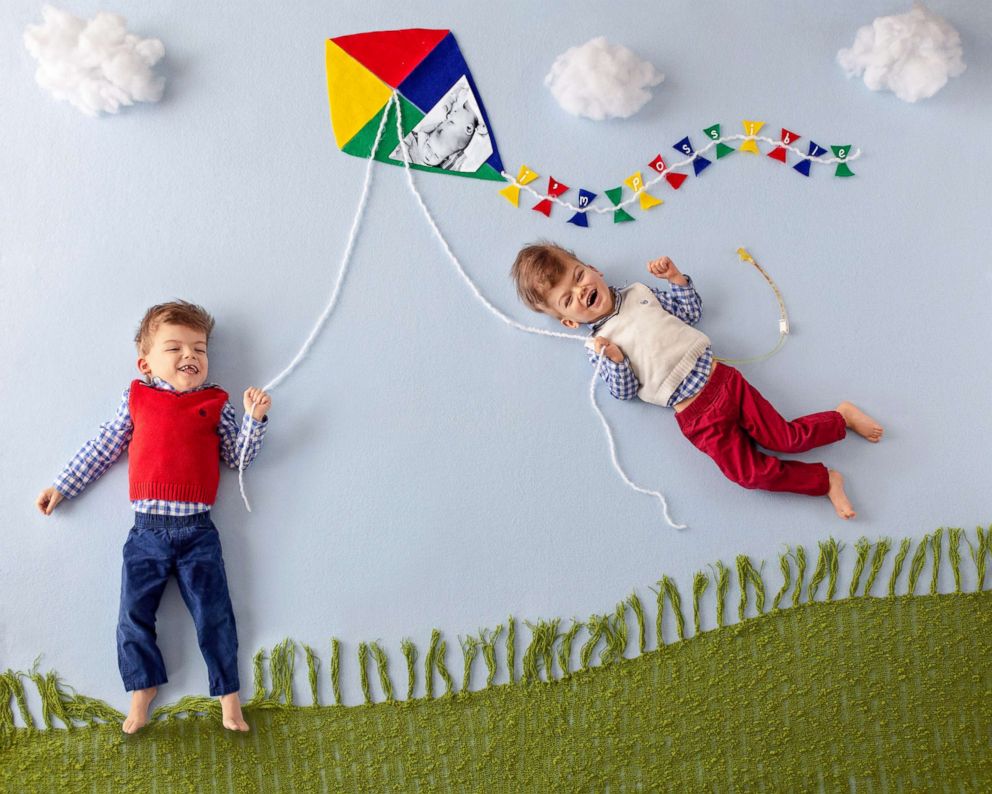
(555,189)
(788,138)
(673,179)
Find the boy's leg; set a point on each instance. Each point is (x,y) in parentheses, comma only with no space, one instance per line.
(741,461)
(203,585)
(768,428)
(144,574)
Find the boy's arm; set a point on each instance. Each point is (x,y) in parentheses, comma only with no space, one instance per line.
(683,301)
(232,436)
(619,377)
(97,454)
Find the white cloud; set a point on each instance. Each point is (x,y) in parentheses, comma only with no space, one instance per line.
(95,64)
(911,54)
(599,80)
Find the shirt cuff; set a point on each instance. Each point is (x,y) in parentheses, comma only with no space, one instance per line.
(255,426)
(68,485)
(688,286)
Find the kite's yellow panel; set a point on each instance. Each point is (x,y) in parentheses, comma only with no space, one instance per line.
(355,94)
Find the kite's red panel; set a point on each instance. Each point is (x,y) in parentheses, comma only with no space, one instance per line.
(391,54)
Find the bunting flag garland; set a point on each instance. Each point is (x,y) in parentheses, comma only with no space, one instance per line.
(751,128)
(580,218)
(675,180)
(841,152)
(722,150)
(636,183)
(778,153)
(555,189)
(620,215)
(674,173)
(512,191)
(698,163)
(803,165)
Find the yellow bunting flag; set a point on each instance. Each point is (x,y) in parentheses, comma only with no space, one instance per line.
(636,183)
(751,128)
(512,191)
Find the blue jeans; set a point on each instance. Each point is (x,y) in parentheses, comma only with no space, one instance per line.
(189,547)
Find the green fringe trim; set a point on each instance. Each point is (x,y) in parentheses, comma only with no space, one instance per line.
(488,639)
(410,652)
(700,581)
(565,648)
(935,542)
(511,648)
(904,547)
(336,671)
(638,609)
(916,566)
(786,569)
(800,559)
(540,651)
(62,707)
(722,576)
(979,552)
(747,573)
(667,591)
(313,666)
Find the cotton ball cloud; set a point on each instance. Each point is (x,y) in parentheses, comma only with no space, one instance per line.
(95,64)
(909,54)
(599,80)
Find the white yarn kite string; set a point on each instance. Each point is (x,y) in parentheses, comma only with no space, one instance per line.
(332,301)
(521,326)
(682,163)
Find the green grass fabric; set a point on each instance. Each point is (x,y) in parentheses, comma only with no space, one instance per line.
(867,693)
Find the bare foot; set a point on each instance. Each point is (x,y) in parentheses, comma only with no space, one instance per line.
(836,493)
(137,715)
(230,706)
(860,422)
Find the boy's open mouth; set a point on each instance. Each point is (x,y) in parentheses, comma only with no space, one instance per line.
(592,298)
(190,369)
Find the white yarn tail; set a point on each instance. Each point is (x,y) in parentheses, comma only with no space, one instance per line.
(613,448)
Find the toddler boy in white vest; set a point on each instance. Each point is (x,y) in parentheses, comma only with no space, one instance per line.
(644,344)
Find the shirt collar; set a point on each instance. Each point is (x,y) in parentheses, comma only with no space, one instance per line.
(617,300)
(164,385)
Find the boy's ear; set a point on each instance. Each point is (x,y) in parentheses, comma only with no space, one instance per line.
(143,367)
(568,323)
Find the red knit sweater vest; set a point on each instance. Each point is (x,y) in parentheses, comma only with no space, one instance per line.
(175,450)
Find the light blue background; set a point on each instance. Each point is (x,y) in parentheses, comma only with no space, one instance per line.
(427,465)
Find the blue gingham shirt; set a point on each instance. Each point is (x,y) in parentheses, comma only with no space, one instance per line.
(684,303)
(97,454)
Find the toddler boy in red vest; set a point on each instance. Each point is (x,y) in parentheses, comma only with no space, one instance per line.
(651,350)
(177,427)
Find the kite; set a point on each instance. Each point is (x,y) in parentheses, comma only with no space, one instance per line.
(444,122)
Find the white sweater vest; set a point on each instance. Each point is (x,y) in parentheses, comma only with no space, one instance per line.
(661,348)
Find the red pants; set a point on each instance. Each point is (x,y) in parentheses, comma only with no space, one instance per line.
(729,418)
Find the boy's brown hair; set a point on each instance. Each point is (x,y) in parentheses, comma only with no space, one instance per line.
(537,268)
(177,312)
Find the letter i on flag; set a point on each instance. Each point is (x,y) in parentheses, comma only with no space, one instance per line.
(841,153)
(698,163)
(512,191)
(620,215)
(675,180)
(778,153)
(555,189)
(751,129)
(636,183)
(722,150)
(585,199)
(815,150)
